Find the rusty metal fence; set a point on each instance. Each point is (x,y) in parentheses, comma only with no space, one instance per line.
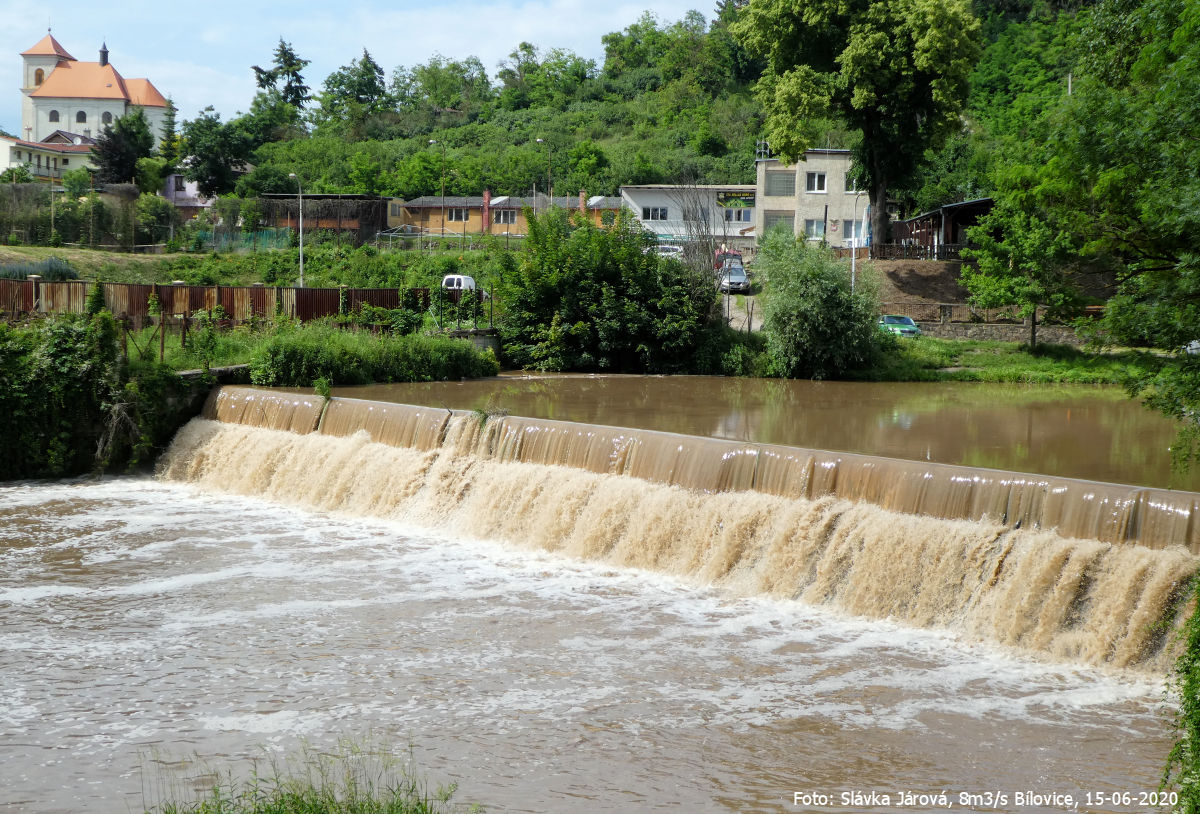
(240,303)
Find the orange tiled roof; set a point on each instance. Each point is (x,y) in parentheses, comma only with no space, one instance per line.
(83,80)
(48,46)
(91,80)
(143,93)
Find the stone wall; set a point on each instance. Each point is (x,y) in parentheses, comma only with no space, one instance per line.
(1000,332)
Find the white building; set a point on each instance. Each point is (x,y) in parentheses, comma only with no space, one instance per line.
(66,102)
(816,198)
(683,213)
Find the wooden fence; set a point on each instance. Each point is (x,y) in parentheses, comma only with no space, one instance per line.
(240,303)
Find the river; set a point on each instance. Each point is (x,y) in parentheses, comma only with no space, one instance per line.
(159,629)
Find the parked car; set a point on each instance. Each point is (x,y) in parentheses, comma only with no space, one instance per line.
(734,281)
(669,250)
(899,325)
(460,282)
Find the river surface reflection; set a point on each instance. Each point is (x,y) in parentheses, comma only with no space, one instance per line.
(1095,433)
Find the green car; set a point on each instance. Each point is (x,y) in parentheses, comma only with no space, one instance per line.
(899,325)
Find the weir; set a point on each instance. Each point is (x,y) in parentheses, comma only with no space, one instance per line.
(1069,568)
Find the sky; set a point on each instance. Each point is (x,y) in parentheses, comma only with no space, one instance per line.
(200,54)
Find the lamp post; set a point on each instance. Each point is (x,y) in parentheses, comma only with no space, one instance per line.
(549,179)
(854,246)
(300,198)
(435,141)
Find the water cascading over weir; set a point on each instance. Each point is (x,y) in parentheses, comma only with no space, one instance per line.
(1067,569)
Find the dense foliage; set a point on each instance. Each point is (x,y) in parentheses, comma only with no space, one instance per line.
(588,298)
(70,403)
(304,354)
(818,326)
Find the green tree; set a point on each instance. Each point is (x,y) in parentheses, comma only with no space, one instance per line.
(20,174)
(895,70)
(119,147)
(588,298)
(285,68)
(216,151)
(352,94)
(77,182)
(168,144)
(816,324)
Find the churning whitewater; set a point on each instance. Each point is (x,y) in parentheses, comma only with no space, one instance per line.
(1068,599)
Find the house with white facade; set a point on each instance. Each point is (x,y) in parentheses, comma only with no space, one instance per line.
(681,213)
(816,198)
(66,105)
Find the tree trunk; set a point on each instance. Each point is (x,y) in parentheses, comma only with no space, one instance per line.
(879,214)
(1033,329)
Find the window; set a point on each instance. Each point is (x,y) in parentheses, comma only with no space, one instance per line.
(814,229)
(106,118)
(780,183)
(394,209)
(66,161)
(456,215)
(81,117)
(851,184)
(739,215)
(853,231)
(654,213)
(695,214)
(53,115)
(180,184)
(39,76)
(815,182)
(508,216)
(772,219)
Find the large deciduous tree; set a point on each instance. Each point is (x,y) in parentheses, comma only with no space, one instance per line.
(119,147)
(895,70)
(215,152)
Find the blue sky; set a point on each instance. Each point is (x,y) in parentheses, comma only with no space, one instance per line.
(200,53)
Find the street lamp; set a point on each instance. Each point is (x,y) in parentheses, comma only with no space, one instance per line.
(549,180)
(300,197)
(435,141)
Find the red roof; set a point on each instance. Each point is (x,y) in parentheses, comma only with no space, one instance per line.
(48,46)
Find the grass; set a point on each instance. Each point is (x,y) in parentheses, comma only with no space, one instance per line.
(96,264)
(352,779)
(931,359)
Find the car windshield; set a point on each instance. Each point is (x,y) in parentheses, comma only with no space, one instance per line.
(735,274)
(890,320)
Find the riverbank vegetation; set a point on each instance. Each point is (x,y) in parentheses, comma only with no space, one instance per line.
(71,404)
(350,779)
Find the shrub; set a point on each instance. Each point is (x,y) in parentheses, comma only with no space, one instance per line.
(299,357)
(816,326)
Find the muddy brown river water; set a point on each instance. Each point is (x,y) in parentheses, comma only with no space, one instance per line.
(268,590)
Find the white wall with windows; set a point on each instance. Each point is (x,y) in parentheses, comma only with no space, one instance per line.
(816,198)
(679,213)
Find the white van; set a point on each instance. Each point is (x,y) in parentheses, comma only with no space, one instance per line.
(458,281)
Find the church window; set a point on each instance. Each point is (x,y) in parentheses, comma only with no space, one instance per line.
(80,117)
(39,76)
(53,115)
(106,118)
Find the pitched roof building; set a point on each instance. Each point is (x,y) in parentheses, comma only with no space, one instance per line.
(62,93)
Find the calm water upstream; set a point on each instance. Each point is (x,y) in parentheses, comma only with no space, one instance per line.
(148,621)
(1096,433)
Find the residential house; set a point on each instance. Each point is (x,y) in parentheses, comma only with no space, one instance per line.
(502,215)
(679,213)
(185,195)
(816,198)
(58,153)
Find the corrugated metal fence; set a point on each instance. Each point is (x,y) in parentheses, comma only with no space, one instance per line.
(240,303)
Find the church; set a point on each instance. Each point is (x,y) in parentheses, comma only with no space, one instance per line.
(66,104)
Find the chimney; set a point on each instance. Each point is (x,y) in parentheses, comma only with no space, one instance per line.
(582,200)
(103,54)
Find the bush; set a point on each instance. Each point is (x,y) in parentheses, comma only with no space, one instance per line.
(816,327)
(299,357)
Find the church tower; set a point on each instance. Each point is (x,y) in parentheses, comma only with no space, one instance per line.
(37,63)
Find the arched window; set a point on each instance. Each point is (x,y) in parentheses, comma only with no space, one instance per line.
(39,76)
(80,117)
(106,118)
(53,115)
